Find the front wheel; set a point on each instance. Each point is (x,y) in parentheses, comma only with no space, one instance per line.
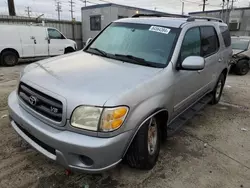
(218,89)
(144,150)
(241,67)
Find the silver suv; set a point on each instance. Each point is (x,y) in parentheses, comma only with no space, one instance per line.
(135,83)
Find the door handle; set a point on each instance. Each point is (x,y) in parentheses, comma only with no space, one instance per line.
(200,71)
(32,37)
(219,60)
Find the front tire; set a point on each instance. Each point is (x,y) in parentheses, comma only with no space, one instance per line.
(242,67)
(144,151)
(217,92)
(69,50)
(9,58)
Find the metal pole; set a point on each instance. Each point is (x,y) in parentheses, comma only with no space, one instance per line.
(182,11)
(204,5)
(72,18)
(222,14)
(11,6)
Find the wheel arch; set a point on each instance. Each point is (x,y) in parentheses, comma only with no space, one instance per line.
(10,50)
(161,114)
(69,49)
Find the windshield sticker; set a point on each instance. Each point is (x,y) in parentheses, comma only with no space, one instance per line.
(159,29)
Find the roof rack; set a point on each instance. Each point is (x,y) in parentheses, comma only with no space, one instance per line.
(189,18)
(193,18)
(159,15)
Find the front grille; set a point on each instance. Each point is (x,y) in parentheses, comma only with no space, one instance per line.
(40,102)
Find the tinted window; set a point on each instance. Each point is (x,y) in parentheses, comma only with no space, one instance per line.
(95,23)
(54,34)
(139,40)
(209,41)
(191,45)
(226,35)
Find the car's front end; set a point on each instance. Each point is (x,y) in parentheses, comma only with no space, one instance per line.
(84,109)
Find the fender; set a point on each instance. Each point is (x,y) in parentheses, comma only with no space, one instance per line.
(155,112)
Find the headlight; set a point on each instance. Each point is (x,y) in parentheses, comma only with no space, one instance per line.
(113,118)
(86,117)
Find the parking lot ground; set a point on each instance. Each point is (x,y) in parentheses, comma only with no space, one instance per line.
(212,150)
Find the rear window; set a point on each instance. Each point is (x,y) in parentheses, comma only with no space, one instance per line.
(226,35)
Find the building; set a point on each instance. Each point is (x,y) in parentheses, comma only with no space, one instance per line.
(97,17)
(237,19)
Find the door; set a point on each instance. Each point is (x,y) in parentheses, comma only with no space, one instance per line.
(28,48)
(39,37)
(56,42)
(188,83)
(210,50)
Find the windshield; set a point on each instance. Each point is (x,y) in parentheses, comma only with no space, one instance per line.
(240,44)
(149,43)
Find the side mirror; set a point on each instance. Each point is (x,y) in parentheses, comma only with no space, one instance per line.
(193,63)
(88,41)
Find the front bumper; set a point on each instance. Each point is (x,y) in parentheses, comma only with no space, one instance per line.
(72,150)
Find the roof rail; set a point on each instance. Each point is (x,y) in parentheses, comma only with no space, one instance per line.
(159,15)
(193,18)
(189,18)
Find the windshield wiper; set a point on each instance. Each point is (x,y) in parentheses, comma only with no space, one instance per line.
(137,60)
(103,53)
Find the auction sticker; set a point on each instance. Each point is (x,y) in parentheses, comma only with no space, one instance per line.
(159,29)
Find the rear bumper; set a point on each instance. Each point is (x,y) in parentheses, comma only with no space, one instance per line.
(72,150)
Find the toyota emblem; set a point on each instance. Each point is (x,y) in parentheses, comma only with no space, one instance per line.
(33,100)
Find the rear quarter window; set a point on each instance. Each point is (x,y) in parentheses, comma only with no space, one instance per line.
(226,35)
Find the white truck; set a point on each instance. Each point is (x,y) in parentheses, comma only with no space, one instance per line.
(30,41)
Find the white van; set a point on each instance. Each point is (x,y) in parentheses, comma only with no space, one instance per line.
(29,41)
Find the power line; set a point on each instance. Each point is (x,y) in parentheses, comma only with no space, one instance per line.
(28,10)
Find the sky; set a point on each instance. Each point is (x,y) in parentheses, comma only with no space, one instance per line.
(48,7)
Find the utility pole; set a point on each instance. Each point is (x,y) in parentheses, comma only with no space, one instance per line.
(204,5)
(72,18)
(227,12)
(182,7)
(223,5)
(11,6)
(28,10)
(58,9)
(232,6)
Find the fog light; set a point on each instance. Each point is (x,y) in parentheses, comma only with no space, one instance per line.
(86,160)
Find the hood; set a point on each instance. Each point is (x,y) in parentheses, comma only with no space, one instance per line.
(235,51)
(86,79)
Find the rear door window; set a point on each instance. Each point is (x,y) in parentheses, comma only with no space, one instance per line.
(209,41)
(226,35)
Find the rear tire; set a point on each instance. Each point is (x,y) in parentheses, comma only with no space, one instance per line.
(218,90)
(242,67)
(9,58)
(144,151)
